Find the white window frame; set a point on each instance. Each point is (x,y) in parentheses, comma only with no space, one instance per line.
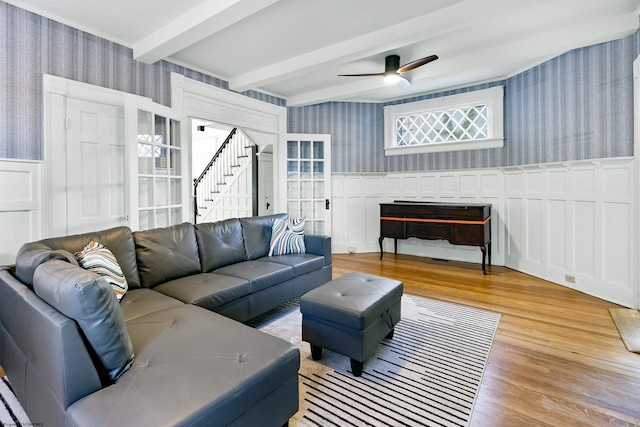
(492,97)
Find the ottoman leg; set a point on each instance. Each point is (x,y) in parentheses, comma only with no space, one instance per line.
(390,334)
(316,352)
(356,367)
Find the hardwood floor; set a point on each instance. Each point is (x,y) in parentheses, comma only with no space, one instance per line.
(557,358)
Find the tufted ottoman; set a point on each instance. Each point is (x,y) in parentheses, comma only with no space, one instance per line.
(351,315)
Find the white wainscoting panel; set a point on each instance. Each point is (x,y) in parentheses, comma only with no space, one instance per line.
(573,224)
(356,210)
(355,214)
(21,204)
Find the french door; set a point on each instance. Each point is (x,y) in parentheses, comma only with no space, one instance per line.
(159,190)
(307,180)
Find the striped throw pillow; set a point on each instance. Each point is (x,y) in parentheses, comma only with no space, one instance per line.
(287,237)
(97,258)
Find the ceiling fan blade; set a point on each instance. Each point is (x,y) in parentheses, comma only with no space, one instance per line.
(361,75)
(417,63)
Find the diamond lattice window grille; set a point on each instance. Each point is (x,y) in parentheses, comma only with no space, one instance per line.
(148,144)
(145,150)
(452,125)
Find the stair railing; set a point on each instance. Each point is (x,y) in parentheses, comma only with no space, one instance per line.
(203,187)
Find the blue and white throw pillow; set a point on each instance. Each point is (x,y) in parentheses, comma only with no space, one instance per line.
(287,237)
(97,258)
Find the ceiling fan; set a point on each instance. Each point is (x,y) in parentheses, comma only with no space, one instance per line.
(393,70)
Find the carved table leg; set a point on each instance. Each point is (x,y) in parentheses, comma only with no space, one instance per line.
(380,243)
(484,254)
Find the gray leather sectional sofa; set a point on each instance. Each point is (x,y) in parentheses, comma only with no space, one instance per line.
(190,287)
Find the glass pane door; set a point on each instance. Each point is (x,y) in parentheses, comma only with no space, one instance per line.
(159,171)
(308,181)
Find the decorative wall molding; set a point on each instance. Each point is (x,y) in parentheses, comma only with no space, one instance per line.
(21,207)
(557,221)
(202,100)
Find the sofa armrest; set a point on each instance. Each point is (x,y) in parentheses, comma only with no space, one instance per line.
(46,360)
(319,245)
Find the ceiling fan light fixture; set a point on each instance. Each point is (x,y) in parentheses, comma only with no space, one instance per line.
(393,72)
(392,78)
(396,79)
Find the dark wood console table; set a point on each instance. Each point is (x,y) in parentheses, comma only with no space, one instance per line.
(458,223)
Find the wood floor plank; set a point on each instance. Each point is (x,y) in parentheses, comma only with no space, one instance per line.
(557,358)
(628,323)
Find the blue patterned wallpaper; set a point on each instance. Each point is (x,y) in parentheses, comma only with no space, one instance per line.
(577,106)
(574,107)
(356,131)
(32,45)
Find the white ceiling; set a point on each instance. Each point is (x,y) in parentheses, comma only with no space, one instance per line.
(295,49)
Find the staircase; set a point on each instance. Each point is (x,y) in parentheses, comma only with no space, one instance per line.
(233,156)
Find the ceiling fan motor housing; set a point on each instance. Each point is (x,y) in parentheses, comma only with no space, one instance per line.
(392,63)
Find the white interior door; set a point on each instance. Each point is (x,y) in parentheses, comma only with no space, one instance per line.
(95,173)
(307,181)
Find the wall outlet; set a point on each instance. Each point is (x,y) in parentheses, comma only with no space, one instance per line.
(351,249)
(570,279)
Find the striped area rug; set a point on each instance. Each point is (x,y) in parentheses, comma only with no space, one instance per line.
(428,374)
(11,412)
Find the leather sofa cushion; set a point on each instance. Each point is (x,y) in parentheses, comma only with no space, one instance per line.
(220,244)
(139,302)
(256,232)
(207,290)
(118,240)
(88,299)
(31,255)
(166,254)
(301,263)
(230,366)
(260,274)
